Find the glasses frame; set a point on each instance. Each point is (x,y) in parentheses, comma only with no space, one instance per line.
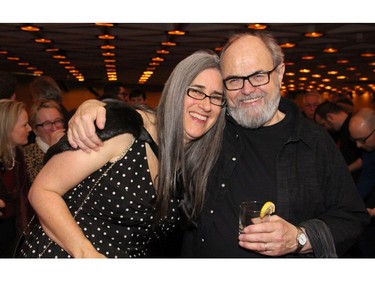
(248,79)
(224,102)
(362,140)
(49,123)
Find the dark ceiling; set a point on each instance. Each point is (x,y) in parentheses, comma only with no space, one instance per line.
(136,45)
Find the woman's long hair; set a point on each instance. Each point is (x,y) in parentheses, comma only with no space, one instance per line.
(188,164)
(9,112)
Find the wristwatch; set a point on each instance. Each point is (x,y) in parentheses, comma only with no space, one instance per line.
(301,239)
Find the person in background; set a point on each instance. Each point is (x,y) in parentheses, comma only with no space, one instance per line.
(112,201)
(333,118)
(15,208)
(269,152)
(47,122)
(115,90)
(8,84)
(362,131)
(137,96)
(2,205)
(346,104)
(45,87)
(310,102)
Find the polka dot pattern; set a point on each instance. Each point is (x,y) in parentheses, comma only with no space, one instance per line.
(117,216)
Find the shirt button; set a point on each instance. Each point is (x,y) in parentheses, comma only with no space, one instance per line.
(212,211)
(202,240)
(234,159)
(223,185)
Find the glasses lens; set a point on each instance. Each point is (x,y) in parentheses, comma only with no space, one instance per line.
(47,125)
(259,79)
(59,123)
(195,94)
(234,83)
(217,100)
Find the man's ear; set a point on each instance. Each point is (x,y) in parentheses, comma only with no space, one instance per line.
(330,117)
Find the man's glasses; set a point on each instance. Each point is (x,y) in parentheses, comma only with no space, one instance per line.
(363,140)
(59,123)
(256,79)
(199,95)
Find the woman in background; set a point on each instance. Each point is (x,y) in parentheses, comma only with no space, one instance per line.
(14,131)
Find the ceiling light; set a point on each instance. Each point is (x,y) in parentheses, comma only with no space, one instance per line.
(313,34)
(307,57)
(59,57)
(106,37)
(163,52)
(42,40)
(157,59)
(257,26)
(52,49)
(287,45)
(332,72)
(13,58)
(342,61)
(104,24)
(367,55)
(330,50)
(176,32)
(29,28)
(171,44)
(108,54)
(107,47)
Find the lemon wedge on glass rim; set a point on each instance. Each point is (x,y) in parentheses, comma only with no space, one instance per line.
(267,209)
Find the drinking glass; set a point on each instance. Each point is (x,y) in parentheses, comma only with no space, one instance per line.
(249,213)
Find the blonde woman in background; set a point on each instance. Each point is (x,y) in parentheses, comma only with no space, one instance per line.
(15,209)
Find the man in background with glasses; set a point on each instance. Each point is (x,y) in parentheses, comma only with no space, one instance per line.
(270,152)
(362,131)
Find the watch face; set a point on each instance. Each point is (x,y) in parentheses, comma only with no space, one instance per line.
(302,239)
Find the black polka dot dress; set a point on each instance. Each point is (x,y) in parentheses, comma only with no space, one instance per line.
(117,216)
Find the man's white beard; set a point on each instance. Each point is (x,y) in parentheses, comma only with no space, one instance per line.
(253,117)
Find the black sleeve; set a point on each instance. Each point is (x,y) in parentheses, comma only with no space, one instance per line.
(120,119)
